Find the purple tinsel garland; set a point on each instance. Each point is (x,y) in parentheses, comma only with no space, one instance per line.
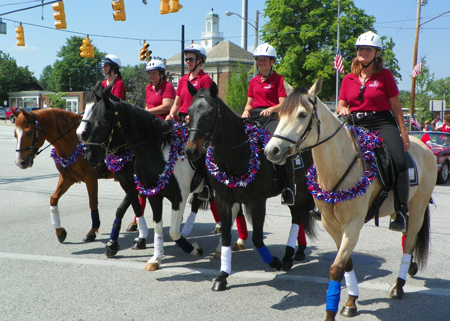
(64,162)
(256,135)
(368,141)
(115,163)
(179,138)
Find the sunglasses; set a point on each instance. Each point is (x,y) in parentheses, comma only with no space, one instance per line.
(368,49)
(190,59)
(361,92)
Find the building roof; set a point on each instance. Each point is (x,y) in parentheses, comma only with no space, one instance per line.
(211,14)
(221,52)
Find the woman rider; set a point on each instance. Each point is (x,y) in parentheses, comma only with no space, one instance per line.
(111,69)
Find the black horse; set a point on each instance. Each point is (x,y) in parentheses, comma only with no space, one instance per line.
(213,123)
(160,169)
(121,162)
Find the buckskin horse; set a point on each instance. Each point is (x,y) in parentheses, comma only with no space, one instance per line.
(242,174)
(306,123)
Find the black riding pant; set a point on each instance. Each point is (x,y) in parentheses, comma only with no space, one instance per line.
(384,122)
(269,123)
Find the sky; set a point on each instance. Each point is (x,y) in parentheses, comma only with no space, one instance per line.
(394,18)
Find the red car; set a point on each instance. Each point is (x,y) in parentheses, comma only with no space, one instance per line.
(439,143)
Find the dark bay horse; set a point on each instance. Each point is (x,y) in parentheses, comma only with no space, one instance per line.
(307,123)
(159,166)
(58,126)
(213,122)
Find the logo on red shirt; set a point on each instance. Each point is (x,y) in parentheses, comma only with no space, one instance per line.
(268,86)
(375,84)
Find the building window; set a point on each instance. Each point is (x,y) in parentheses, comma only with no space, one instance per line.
(208,26)
(175,81)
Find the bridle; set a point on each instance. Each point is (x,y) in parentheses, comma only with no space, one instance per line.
(314,120)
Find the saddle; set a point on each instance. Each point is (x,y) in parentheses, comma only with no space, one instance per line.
(387,171)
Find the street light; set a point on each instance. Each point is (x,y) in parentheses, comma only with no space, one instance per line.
(229,13)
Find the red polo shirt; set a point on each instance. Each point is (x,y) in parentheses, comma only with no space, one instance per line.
(154,98)
(266,94)
(202,80)
(118,88)
(380,88)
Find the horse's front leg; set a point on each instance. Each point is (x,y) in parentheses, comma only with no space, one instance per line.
(92,188)
(240,243)
(225,210)
(156,203)
(349,309)
(64,183)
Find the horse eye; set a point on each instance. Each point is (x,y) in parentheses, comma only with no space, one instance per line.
(29,134)
(302,114)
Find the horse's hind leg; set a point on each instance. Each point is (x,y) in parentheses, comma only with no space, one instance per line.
(349,309)
(64,184)
(92,188)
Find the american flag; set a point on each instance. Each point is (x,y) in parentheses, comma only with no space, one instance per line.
(338,62)
(417,70)
(415,123)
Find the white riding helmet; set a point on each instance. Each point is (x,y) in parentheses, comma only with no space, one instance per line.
(197,50)
(155,65)
(369,39)
(265,50)
(111,60)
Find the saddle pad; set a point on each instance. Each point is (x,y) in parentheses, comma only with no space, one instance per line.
(412,170)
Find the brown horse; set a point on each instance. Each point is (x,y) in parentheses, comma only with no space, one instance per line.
(58,128)
(307,123)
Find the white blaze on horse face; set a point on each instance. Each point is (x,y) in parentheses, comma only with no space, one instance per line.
(19,134)
(86,117)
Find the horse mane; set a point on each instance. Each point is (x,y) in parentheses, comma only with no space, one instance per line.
(62,120)
(291,102)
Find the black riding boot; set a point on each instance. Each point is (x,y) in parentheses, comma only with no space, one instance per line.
(288,194)
(206,193)
(315,213)
(401,199)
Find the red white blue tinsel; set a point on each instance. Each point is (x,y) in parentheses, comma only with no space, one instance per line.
(115,163)
(64,162)
(179,138)
(256,135)
(368,141)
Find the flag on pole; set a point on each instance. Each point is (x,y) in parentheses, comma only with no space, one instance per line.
(415,123)
(338,62)
(417,70)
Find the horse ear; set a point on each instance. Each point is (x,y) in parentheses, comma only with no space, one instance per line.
(288,88)
(316,88)
(213,90)
(15,113)
(106,93)
(191,88)
(26,114)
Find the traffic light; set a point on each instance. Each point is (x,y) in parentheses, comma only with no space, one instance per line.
(87,50)
(20,36)
(59,15)
(143,52)
(119,10)
(175,6)
(164,8)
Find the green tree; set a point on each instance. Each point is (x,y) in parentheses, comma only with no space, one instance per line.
(135,80)
(236,90)
(304,34)
(56,101)
(73,73)
(46,79)
(11,76)
(441,89)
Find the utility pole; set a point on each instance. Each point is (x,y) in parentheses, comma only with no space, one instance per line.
(413,80)
(244,28)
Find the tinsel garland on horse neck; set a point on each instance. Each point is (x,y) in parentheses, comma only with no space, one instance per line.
(65,162)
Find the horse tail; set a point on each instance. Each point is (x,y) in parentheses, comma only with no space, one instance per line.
(422,246)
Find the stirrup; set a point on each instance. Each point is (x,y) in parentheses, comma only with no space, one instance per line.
(204,194)
(315,214)
(287,197)
(397,225)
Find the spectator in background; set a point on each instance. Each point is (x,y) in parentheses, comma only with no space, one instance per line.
(445,127)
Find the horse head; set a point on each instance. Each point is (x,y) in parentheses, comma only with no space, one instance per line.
(203,116)
(29,137)
(297,120)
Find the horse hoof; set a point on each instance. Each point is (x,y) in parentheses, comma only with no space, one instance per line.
(287,265)
(218,228)
(89,237)
(413,269)
(132,227)
(139,244)
(61,234)
(151,267)
(219,285)
(275,264)
(197,251)
(238,247)
(299,256)
(112,247)
(348,312)
(397,294)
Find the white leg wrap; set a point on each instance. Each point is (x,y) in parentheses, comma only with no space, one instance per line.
(293,234)
(351,283)
(54,213)
(225,259)
(187,228)
(404,266)
(158,245)
(142,226)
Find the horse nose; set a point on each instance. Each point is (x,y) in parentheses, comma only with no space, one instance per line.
(84,136)
(275,151)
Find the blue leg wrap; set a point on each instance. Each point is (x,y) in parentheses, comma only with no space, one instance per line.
(95,217)
(185,245)
(115,229)
(265,255)
(333,296)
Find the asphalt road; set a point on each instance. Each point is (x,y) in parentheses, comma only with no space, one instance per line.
(41,279)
